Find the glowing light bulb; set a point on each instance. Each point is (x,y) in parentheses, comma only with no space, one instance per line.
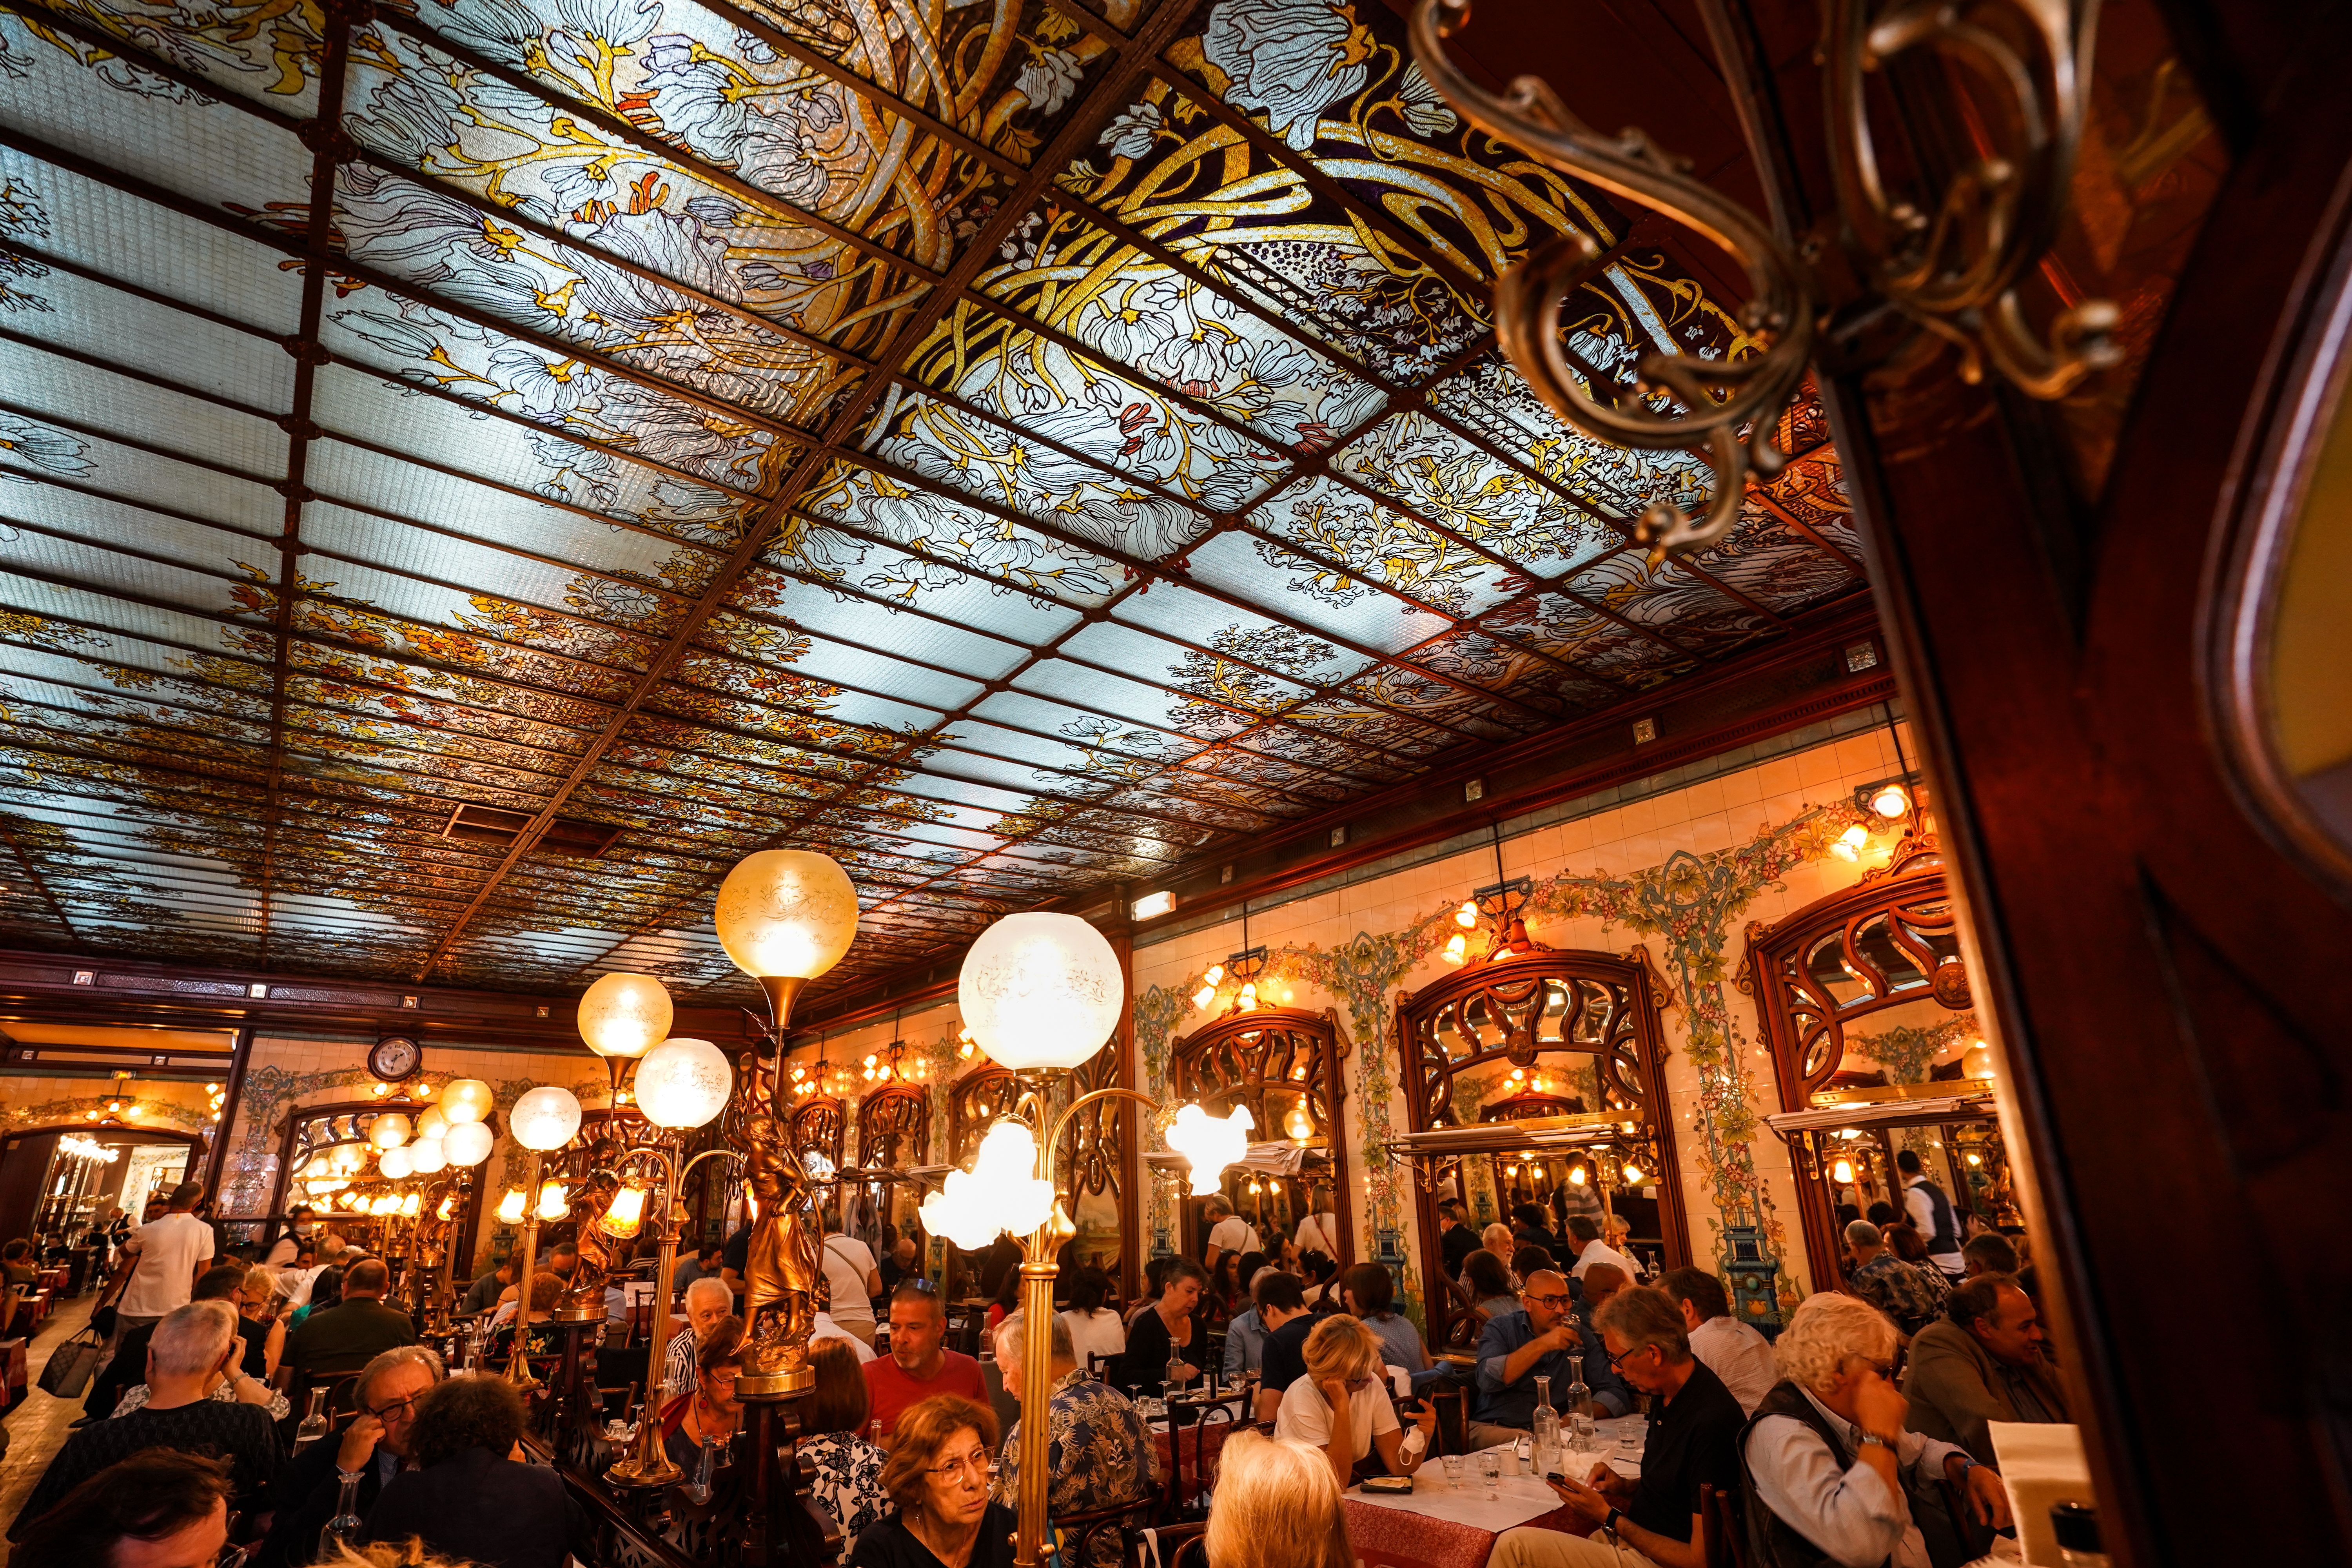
(1299,1124)
(1890,802)
(1466,917)
(510,1207)
(1203,996)
(1632,1176)
(1576,1175)
(1457,948)
(1249,996)
(1210,1144)
(1842,1173)
(628,1212)
(1975,1159)
(552,1205)
(1216,973)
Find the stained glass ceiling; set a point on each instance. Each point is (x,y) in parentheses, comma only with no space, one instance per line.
(1006,446)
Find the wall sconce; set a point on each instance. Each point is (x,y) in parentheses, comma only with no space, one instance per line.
(1842,1173)
(510,1207)
(1632,1176)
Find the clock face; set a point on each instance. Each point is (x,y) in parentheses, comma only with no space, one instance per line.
(395,1058)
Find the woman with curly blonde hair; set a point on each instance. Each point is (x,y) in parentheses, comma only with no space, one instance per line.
(1826,1460)
(1341,1406)
(1277,1505)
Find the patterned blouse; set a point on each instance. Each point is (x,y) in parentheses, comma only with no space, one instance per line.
(1100,1454)
(846,1476)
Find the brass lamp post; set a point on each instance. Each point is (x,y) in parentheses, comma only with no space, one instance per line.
(543,1119)
(681,1084)
(784,916)
(1040,993)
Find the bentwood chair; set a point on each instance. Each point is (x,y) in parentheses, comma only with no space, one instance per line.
(1724,1535)
(1100,1535)
(1169,1546)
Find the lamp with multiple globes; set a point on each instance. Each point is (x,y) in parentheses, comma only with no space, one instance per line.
(682,1084)
(1040,993)
(396,1164)
(543,1119)
(428,1156)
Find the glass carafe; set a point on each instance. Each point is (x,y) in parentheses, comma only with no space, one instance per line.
(1576,1428)
(1546,1426)
(699,1489)
(1178,1371)
(345,1529)
(314,1420)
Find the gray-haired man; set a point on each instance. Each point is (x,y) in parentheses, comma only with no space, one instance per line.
(374,1447)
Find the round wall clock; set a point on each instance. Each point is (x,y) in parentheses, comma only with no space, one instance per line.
(395,1058)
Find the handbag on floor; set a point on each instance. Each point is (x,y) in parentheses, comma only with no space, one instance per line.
(72,1365)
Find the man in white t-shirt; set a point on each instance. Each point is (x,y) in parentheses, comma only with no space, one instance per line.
(1228,1232)
(1319,1231)
(850,1270)
(1587,1248)
(165,1256)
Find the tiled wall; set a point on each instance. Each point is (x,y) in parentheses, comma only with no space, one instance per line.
(1677,866)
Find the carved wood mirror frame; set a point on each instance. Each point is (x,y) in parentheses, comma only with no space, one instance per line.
(1531,1007)
(313,1129)
(1894,936)
(1245,1057)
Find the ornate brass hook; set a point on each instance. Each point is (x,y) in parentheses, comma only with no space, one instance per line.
(1719,398)
(1955,275)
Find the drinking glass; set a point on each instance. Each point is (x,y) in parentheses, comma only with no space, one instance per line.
(1490,1465)
(1453,1469)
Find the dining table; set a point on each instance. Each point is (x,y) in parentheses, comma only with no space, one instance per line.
(1452,1521)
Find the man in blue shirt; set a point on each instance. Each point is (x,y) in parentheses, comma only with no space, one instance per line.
(1543,1338)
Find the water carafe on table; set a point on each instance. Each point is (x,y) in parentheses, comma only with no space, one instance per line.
(1576,1433)
(1546,1426)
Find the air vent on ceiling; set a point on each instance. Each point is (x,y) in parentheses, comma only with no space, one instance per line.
(500,829)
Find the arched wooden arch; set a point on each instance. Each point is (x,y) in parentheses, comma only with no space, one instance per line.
(1591,1019)
(975,1100)
(26,1200)
(820,1125)
(894,1127)
(1284,1063)
(1837,980)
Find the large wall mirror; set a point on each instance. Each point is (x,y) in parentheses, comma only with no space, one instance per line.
(1283,1063)
(1563,1047)
(423,1224)
(1875,1040)
(894,1133)
(1090,1164)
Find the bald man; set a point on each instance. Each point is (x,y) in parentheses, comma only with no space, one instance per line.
(1542,1339)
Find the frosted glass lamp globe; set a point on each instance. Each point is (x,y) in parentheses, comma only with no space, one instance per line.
(1041,991)
(466,1099)
(389,1131)
(786,914)
(684,1082)
(468,1144)
(625,1015)
(397,1164)
(545,1118)
(428,1156)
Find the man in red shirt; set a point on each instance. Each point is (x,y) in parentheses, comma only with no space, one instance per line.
(918,1366)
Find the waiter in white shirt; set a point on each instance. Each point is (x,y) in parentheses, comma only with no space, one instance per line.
(1931,1215)
(1585,1246)
(1228,1232)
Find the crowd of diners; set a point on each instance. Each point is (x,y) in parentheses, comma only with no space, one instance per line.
(1842,1441)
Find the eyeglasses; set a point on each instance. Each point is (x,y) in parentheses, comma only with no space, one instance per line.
(232,1556)
(975,1466)
(1618,1359)
(398,1410)
(1555,1300)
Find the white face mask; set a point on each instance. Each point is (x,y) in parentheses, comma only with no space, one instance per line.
(301,1228)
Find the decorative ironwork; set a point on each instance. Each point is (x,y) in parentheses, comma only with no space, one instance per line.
(1955,274)
(1718,398)
(1281,1062)
(1890,941)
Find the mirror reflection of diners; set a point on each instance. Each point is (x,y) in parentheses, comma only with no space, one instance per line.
(1869,1013)
(1533,1090)
(1283,1064)
(894,1133)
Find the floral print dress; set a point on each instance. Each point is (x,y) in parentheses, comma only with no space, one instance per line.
(846,1476)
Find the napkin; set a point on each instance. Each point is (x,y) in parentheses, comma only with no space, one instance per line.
(2042,1464)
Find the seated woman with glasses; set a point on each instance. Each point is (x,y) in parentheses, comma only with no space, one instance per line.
(1341,1407)
(940,1474)
(710,1413)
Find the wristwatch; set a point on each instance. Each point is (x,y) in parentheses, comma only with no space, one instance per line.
(1873,1439)
(1611,1522)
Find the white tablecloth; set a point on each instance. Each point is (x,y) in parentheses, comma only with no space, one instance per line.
(1513,1500)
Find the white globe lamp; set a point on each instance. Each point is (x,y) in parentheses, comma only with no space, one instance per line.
(545,1118)
(466,1099)
(468,1144)
(625,1016)
(1041,991)
(684,1082)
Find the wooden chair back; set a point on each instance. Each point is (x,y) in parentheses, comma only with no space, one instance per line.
(1180,1546)
(1723,1532)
